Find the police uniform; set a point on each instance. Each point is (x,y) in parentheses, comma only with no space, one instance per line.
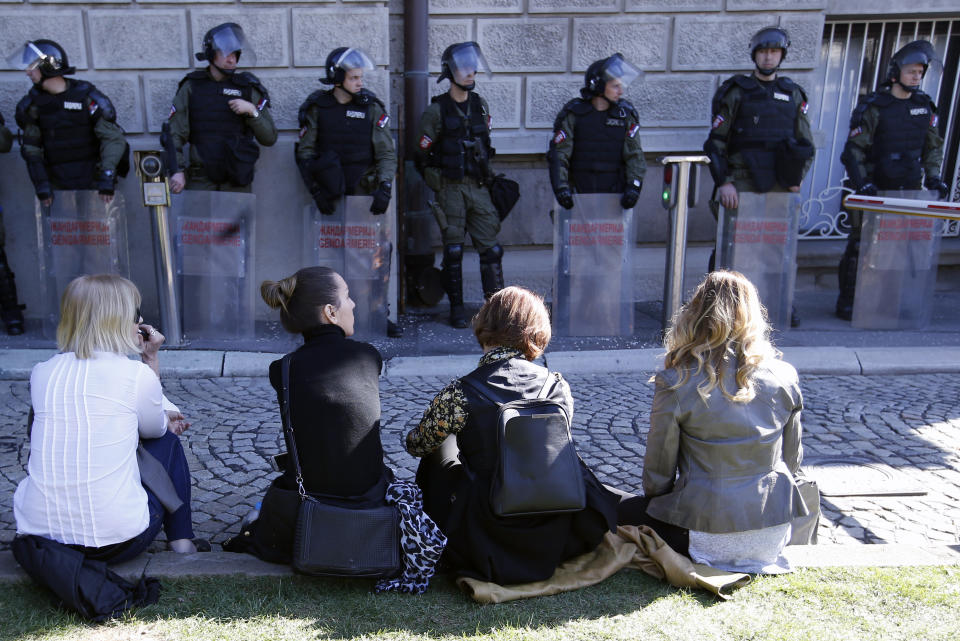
(223,145)
(458,176)
(357,132)
(753,123)
(10,308)
(71,139)
(892,144)
(596,151)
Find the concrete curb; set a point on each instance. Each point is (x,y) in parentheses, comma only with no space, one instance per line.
(173,565)
(15,364)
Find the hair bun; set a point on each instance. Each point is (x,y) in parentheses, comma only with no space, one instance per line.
(277,294)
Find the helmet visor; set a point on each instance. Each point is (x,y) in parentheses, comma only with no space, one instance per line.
(229,38)
(29,56)
(616,68)
(354,59)
(466,60)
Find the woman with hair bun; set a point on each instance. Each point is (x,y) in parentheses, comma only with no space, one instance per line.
(726,417)
(335,417)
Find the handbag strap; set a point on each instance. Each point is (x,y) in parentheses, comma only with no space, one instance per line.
(479,388)
(288,423)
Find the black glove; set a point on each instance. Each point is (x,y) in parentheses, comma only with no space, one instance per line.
(867,189)
(565,198)
(631,194)
(381,199)
(325,206)
(934,182)
(105,182)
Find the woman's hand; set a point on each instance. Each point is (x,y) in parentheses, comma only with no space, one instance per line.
(150,341)
(176,423)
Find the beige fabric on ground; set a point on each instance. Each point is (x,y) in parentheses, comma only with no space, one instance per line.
(634,547)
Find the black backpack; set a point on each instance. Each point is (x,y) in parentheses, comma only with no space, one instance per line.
(538,471)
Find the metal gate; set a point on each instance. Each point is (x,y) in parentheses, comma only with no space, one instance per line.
(854,58)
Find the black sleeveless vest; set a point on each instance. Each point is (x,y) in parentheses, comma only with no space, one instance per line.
(450,155)
(898,140)
(70,146)
(345,130)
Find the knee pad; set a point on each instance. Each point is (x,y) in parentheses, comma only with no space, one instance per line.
(453,253)
(492,255)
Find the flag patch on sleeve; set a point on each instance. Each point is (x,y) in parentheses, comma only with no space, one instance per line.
(93,107)
(804,107)
(425,141)
(856,131)
(934,121)
(173,110)
(303,131)
(262,104)
(633,131)
(559,136)
(719,120)
(382,122)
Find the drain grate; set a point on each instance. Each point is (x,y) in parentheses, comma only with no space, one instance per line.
(858,476)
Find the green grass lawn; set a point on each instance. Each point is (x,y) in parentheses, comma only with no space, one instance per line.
(851,604)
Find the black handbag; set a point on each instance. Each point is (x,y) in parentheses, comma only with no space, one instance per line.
(538,470)
(335,540)
(504,193)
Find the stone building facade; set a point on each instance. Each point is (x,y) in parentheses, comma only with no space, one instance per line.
(137,51)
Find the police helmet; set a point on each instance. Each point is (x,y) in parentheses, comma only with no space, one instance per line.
(770,38)
(227,38)
(342,60)
(45,55)
(918,51)
(462,57)
(599,72)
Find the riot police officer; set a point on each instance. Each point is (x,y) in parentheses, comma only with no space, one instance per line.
(345,145)
(223,113)
(10,309)
(70,137)
(595,146)
(453,154)
(760,138)
(893,142)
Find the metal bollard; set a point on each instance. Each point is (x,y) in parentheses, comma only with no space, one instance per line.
(677,198)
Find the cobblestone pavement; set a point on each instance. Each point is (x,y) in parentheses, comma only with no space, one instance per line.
(909,422)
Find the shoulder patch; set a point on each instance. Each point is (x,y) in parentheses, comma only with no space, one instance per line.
(717,121)
(632,132)
(856,131)
(383,121)
(425,142)
(559,136)
(934,121)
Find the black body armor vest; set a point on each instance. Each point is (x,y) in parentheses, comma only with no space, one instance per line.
(464,142)
(346,130)
(505,381)
(766,118)
(898,140)
(596,165)
(225,145)
(71,149)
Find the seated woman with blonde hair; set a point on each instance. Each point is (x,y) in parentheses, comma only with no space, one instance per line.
(92,407)
(457,439)
(724,441)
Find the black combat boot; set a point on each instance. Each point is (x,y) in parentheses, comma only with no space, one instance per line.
(491,271)
(10,310)
(453,283)
(847,275)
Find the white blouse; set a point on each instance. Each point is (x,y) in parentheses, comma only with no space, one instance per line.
(83,484)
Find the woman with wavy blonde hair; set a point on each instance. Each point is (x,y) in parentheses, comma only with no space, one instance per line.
(724,441)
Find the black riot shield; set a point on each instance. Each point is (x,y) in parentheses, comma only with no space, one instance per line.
(78,234)
(592,268)
(759,240)
(357,245)
(213,234)
(897,270)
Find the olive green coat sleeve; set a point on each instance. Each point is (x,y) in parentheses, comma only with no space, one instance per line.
(562,150)
(384,152)
(802,129)
(307,145)
(180,123)
(428,135)
(932,151)
(113,144)
(720,131)
(262,127)
(633,160)
(6,138)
